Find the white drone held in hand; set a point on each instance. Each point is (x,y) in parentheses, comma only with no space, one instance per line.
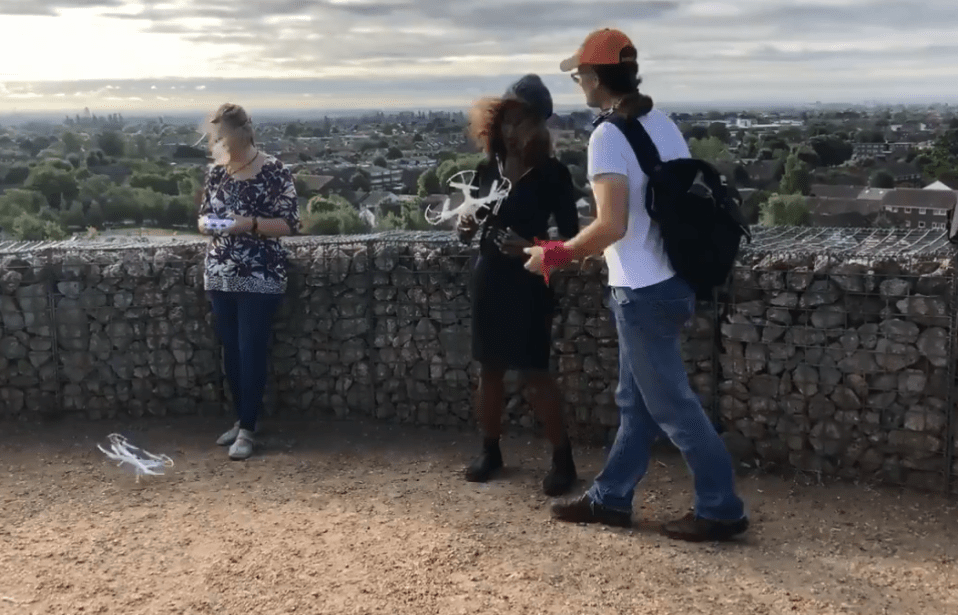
(470,204)
(142,461)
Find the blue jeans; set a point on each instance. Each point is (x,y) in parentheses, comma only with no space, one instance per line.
(244,324)
(654,398)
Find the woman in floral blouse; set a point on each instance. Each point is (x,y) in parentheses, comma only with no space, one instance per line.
(245,273)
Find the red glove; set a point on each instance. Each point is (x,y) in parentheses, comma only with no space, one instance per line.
(555,255)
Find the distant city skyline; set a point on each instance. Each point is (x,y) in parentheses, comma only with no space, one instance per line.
(192,55)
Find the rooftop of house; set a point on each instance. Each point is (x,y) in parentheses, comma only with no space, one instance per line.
(316,182)
(836,192)
(920,198)
(835,206)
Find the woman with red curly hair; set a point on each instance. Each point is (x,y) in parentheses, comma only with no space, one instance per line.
(512,308)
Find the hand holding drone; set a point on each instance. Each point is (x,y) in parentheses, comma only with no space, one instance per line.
(472,209)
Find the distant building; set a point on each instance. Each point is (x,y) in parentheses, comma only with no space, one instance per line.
(922,209)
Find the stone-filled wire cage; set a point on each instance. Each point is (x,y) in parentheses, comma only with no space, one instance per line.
(832,351)
(105,330)
(838,355)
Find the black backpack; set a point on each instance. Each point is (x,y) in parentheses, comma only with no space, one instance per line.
(698,213)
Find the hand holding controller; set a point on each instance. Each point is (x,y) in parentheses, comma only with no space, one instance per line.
(217,226)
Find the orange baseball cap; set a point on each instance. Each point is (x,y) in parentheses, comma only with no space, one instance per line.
(606,46)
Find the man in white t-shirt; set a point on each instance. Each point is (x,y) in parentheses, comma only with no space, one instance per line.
(650,304)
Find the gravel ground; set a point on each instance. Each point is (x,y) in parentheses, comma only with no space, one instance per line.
(359,518)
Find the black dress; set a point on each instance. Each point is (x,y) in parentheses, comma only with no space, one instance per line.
(512,309)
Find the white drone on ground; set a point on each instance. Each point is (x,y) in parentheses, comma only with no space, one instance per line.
(142,461)
(470,205)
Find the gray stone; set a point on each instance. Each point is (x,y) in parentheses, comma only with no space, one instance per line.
(805,379)
(784,300)
(933,344)
(846,399)
(828,317)
(912,382)
(925,310)
(894,357)
(900,331)
(820,292)
(740,329)
(894,288)
(12,349)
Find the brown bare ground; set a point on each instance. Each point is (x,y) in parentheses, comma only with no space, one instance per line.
(358,518)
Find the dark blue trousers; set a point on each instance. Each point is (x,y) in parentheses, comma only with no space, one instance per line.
(244,324)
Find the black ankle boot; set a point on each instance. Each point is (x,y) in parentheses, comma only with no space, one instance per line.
(562,474)
(487,464)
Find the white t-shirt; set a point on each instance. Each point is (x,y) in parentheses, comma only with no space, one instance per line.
(638,259)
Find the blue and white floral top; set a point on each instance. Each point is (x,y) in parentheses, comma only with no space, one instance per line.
(248,262)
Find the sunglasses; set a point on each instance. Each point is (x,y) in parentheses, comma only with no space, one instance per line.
(578,76)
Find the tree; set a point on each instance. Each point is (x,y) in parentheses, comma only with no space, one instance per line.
(450,168)
(73,217)
(94,216)
(870,136)
(292,131)
(720,131)
(428,183)
(808,155)
(17,201)
(93,188)
(111,143)
(695,132)
(186,151)
(17,175)
(71,143)
(752,206)
(380,161)
(163,184)
(360,181)
(417,138)
(142,147)
(53,183)
(30,227)
(797,178)
(882,179)
(785,210)
(330,216)
(394,153)
(710,150)
(321,204)
(832,150)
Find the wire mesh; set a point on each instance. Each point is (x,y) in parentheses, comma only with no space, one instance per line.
(832,350)
(843,366)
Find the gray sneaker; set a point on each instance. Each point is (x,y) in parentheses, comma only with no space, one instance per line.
(242,448)
(229,437)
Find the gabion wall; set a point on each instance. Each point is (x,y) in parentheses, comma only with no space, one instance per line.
(840,365)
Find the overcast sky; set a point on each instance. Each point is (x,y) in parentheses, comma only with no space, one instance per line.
(196,54)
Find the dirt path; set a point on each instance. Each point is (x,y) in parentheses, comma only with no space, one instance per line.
(347,518)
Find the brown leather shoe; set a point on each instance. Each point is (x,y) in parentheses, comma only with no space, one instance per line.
(693,528)
(583,510)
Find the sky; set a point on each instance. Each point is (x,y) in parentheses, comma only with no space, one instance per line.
(187,55)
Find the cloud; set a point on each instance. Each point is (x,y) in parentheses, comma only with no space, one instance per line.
(437,49)
(51,7)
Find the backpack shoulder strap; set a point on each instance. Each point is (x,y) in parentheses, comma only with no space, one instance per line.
(645,151)
(641,142)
